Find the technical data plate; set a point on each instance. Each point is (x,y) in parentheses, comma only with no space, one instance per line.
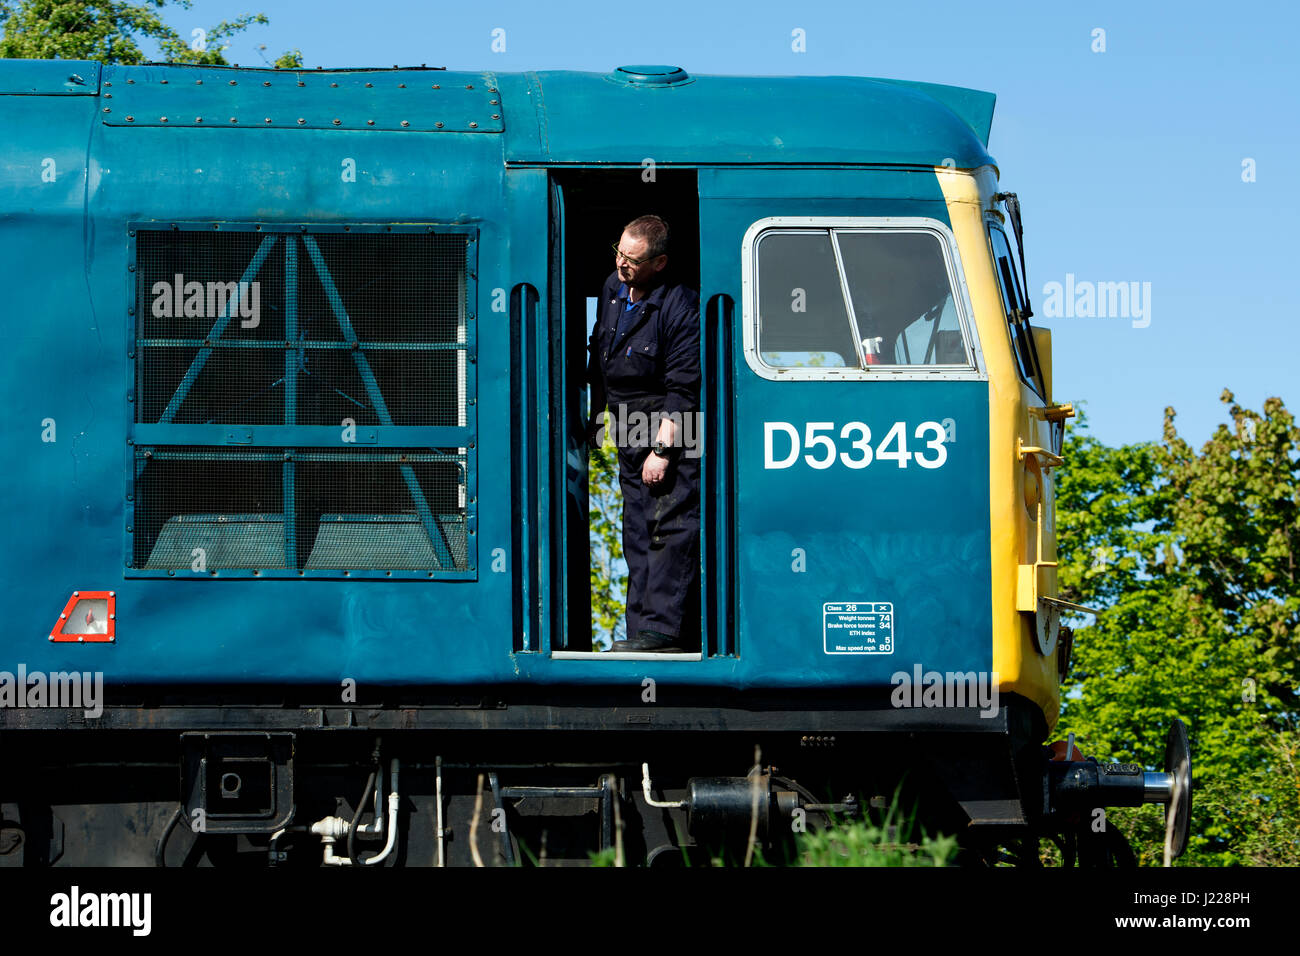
(858,627)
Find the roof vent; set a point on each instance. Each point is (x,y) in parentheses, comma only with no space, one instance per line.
(650,75)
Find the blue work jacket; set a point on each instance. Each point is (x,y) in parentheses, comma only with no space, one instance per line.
(654,365)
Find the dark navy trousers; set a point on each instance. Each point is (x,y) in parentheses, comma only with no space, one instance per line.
(661,544)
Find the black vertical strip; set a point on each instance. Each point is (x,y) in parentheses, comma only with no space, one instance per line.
(518,469)
(553,424)
(711,505)
(525,507)
(531,381)
(727,412)
(532,551)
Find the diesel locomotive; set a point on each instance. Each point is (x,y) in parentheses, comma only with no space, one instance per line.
(298,537)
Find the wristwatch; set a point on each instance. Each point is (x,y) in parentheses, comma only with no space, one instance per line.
(664,450)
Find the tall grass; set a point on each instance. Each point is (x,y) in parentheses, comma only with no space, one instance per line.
(895,839)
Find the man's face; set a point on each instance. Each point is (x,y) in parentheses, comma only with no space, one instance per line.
(633,266)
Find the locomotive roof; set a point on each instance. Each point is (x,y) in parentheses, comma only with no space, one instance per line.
(625,116)
(589,117)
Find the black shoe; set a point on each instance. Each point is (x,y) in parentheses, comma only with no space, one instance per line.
(648,642)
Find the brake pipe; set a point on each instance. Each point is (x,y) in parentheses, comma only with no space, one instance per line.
(333,829)
(651,801)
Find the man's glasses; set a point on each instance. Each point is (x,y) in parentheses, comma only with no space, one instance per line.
(620,254)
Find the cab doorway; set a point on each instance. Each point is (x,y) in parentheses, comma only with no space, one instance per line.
(589,208)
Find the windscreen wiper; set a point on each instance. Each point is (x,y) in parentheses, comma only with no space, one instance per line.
(1012,202)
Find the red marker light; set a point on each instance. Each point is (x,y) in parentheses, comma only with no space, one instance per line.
(98,610)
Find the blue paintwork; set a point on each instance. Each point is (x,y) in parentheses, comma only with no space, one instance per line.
(50,77)
(68,335)
(590,118)
(918,538)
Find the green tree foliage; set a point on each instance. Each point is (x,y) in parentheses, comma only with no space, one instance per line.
(111,31)
(605,529)
(1193,557)
(288,60)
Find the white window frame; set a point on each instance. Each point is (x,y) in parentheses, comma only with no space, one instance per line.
(973,370)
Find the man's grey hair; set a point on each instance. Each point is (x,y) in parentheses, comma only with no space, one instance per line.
(651,229)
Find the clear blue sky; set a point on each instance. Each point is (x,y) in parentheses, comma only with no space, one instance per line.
(1128,162)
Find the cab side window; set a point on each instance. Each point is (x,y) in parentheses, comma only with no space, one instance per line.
(802,318)
(857,297)
(902,298)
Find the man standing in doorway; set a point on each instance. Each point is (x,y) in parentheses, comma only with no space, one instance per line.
(645,364)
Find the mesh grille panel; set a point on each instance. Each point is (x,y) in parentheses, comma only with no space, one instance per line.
(403,509)
(230,508)
(254,327)
(216,318)
(395,288)
(418,387)
(212,260)
(237,386)
(363,515)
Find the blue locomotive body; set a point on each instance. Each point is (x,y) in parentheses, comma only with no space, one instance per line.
(140,152)
(295,379)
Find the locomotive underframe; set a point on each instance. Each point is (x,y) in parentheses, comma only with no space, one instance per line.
(565,774)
